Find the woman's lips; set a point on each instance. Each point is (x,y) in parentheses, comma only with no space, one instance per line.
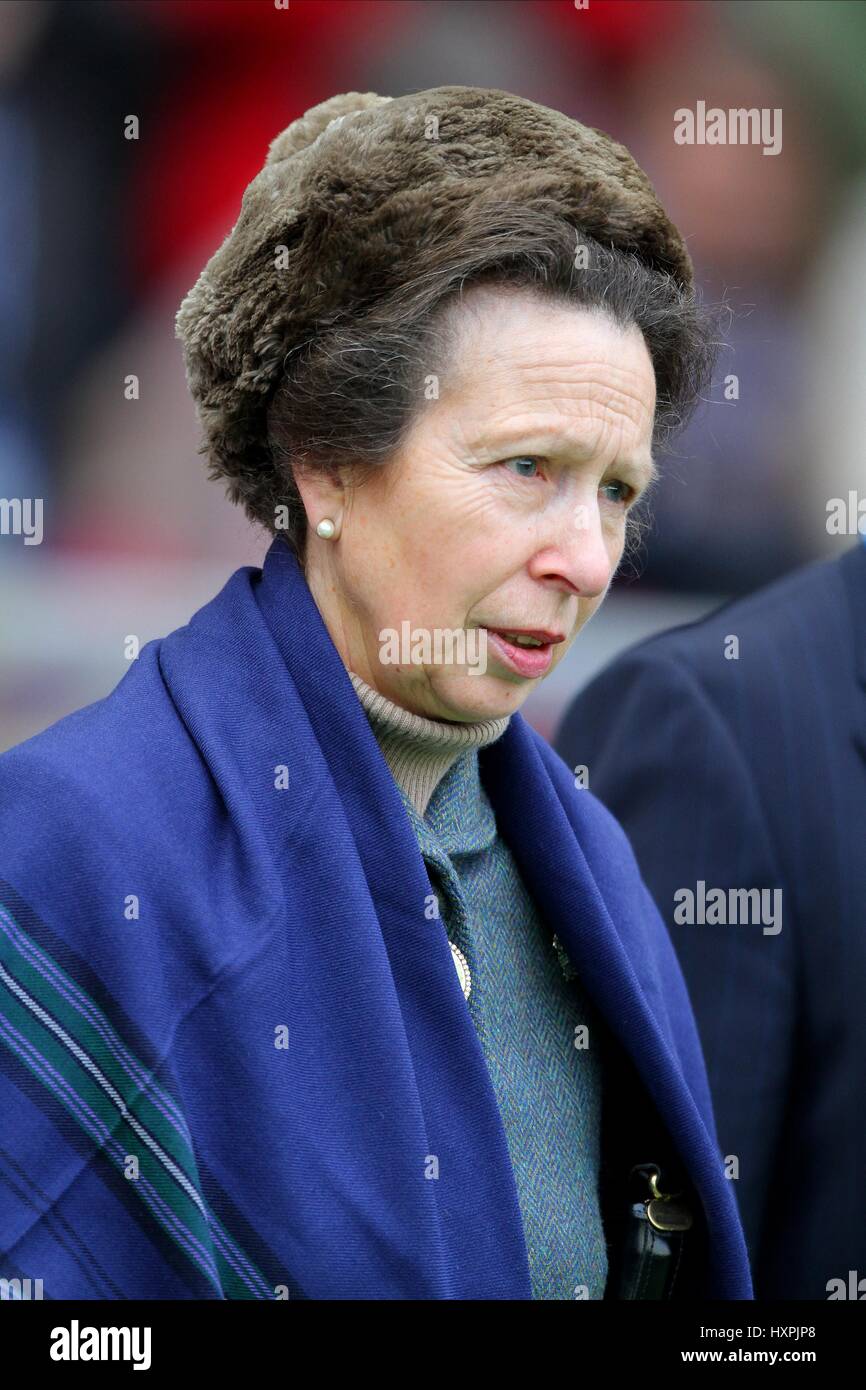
(531,662)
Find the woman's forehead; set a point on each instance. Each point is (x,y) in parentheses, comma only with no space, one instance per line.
(530,382)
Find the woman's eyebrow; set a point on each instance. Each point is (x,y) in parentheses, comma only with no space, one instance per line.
(558,445)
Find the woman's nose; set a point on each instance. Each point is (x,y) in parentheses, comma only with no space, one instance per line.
(576,552)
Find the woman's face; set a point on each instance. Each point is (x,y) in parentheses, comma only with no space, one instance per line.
(505,509)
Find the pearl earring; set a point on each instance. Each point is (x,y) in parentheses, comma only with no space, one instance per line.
(325,528)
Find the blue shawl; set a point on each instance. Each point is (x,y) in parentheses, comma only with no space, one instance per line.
(235,1060)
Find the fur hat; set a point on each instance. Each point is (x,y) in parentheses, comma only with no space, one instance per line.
(351,196)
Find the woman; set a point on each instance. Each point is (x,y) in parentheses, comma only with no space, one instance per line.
(323,976)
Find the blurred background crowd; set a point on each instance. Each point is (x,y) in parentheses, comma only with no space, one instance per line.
(101,236)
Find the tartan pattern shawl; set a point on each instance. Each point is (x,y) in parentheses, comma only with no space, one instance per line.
(233,1064)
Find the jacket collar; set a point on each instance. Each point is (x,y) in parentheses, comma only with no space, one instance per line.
(459,811)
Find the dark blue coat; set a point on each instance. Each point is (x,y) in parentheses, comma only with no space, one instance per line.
(752,773)
(230,1039)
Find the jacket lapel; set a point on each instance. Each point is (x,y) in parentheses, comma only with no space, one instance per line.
(548,852)
(619,965)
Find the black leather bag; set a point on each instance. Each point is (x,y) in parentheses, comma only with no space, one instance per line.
(648,1242)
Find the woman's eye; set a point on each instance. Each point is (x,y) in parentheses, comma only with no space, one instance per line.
(621,492)
(522,460)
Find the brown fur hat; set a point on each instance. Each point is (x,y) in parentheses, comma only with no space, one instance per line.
(352,196)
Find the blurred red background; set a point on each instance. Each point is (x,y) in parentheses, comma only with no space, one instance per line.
(102,236)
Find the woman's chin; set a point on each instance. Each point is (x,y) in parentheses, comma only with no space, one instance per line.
(470,697)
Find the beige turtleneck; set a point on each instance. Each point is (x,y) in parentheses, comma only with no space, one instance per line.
(419,751)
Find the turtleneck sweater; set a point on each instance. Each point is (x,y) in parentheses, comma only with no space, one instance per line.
(420,751)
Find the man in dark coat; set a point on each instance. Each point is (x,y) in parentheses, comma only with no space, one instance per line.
(733,751)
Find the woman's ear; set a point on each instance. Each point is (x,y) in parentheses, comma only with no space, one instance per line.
(323,495)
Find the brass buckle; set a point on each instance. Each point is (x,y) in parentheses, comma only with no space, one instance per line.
(664,1212)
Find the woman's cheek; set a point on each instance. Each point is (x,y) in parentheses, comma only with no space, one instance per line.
(615,531)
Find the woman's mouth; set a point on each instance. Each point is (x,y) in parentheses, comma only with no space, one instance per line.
(529,657)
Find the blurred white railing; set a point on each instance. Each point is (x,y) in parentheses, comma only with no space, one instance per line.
(64,626)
